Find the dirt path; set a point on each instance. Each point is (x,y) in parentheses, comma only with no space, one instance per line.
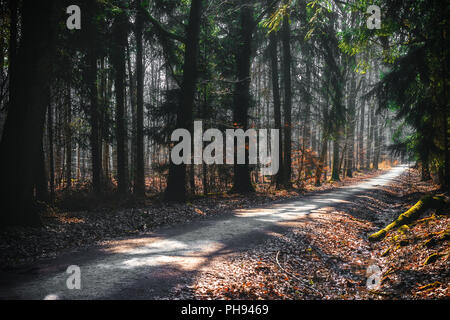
(150,267)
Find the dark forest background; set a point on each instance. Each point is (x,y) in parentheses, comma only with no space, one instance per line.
(91,111)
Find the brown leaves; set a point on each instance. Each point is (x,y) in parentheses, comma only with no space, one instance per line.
(327,258)
(412,255)
(197,210)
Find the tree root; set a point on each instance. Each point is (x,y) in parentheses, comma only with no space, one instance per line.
(432,258)
(427,202)
(429,286)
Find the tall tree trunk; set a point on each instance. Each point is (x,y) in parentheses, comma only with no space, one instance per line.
(58,146)
(446,179)
(68,137)
(335,163)
(176,184)
(273,50)
(139,180)
(132,93)
(78,163)
(445,113)
(287,60)
(369,137)
(103,121)
(343,155)
(192,179)
(12,50)
(51,153)
(425,170)
(307,136)
(322,161)
(205,179)
(41,184)
(242,98)
(376,155)
(95,114)
(361,136)
(105,164)
(351,127)
(308,144)
(118,60)
(23,131)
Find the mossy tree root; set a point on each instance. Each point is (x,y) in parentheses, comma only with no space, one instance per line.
(427,202)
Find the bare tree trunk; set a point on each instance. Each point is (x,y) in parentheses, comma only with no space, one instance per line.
(68,137)
(322,161)
(51,152)
(376,156)
(91,78)
(287,58)
(139,181)
(41,184)
(132,80)
(335,164)
(120,42)
(351,126)
(242,97)
(78,163)
(361,136)
(176,185)
(369,137)
(23,130)
(276,104)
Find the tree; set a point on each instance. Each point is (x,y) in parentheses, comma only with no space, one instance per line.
(139,180)
(351,114)
(22,136)
(414,81)
(176,184)
(241,96)
(91,79)
(273,51)
(287,61)
(120,32)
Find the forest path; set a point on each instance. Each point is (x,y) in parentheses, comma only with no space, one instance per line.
(149,267)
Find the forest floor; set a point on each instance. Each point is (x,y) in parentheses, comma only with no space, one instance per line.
(79,221)
(328,257)
(323,255)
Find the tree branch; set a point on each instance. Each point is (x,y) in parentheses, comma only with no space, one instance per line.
(268,9)
(161,30)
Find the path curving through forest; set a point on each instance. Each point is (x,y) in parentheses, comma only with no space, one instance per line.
(148,267)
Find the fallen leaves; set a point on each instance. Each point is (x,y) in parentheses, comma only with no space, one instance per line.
(327,258)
